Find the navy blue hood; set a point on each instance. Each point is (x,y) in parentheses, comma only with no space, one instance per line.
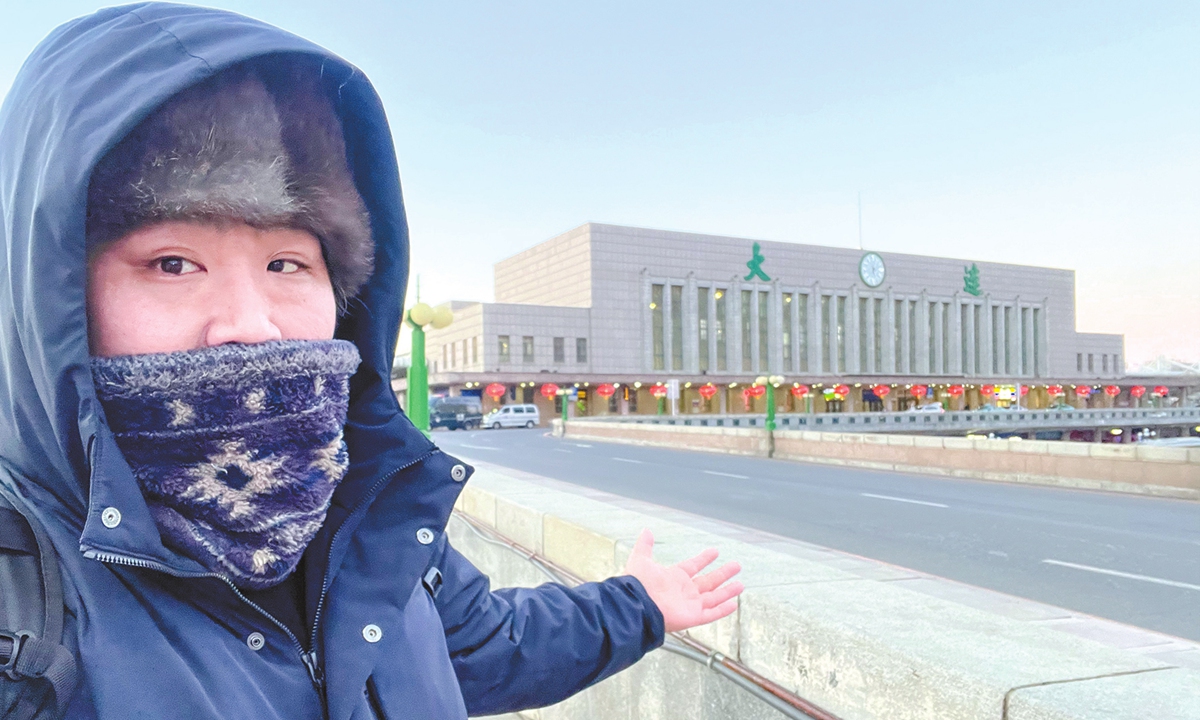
(83,89)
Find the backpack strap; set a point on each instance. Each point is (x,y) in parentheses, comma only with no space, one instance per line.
(37,673)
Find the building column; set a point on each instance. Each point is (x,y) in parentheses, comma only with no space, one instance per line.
(891,366)
(816,343)
(853,351)
(668,327)
(924,362)
(647,325)
(938,361)
(755,360)
(986,366)
(1001,340)
(797,363)
(871,320)
(733,326)
(775,329)
(903,365)
(691,330)
(1044,354)
(1014,339)
(956,336)
(971,339)
(712,329)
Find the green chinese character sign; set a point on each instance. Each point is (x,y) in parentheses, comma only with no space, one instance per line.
(755,264)
(971,280)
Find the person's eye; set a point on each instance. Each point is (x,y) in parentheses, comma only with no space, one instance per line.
(284,266)
(176,265)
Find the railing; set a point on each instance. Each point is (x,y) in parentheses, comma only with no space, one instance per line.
(905,422)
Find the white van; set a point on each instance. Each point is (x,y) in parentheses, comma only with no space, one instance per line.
(513,416)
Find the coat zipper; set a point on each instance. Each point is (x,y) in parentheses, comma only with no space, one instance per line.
(308,658)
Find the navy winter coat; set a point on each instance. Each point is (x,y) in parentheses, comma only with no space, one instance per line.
(156,635)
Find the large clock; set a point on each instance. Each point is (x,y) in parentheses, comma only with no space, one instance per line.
(872,270)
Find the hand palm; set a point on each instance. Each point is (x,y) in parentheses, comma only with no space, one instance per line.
(685,598)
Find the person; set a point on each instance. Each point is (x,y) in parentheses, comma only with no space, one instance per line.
(204,258)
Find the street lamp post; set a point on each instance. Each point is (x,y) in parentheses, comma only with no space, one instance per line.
(417,318)
(770,383)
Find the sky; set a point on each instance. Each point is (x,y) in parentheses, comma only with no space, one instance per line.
(1061,134)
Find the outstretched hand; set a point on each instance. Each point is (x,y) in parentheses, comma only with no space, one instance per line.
(683,596)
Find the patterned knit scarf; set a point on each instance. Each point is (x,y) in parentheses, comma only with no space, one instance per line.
(237,448)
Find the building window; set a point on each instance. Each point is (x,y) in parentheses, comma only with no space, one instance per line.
(505,356)
(945,366)
(1037,342)
(826,334)
(898,334)
(445,356)
(656,326)
(722,355)
(912,336)
(997,346)
(802,330)
(702,326)
(747,338)
(527,349)
(841,334)
(1010,365)
(978,339)
(1079,362)
(863,329)
(964,320)
(1024,345)
(676,327)
(764,353)
(931,310)
(1104,362)
(878,329)
(1091,363)
(560,350)
(786,317)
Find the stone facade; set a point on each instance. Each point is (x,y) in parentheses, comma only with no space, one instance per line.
(605,302)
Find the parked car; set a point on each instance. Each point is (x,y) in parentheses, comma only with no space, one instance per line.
(455,412)
(513,416)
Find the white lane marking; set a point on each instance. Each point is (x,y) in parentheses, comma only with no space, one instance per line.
(561,450)
(581,445)
(903,500)
(478,447)
(1118,573)
(638,462)
(714,472)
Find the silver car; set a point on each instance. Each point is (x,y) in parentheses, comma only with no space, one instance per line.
(513,416)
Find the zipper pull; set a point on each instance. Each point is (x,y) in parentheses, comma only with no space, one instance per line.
(314,670)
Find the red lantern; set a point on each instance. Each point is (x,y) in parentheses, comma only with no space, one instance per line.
(1024,390)
(1112,390)
(758,390)
(1137,391)
(606,390)
(1083,390)
(988,390)
(707,391)
(1162,390)
(918,390)
(799,391)
(956,390)
(842,390)
(658,391)
(549,390)
(1055,390)
(495,391)
(881,391)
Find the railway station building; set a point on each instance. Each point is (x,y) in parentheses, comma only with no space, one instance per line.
(625,309)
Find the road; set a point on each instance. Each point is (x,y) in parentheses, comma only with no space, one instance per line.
(1127,558)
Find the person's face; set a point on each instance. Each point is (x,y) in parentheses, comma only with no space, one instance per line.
(186,285)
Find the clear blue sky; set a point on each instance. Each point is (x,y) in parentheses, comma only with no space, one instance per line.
(1066,136)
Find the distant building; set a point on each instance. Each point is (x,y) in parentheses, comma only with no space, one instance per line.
(604,304)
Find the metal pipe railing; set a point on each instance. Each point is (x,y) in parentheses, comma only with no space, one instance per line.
(772,694)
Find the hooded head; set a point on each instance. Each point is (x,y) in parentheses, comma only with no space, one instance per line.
(82,133)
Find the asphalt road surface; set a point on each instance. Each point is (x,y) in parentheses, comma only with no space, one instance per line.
(1127,558)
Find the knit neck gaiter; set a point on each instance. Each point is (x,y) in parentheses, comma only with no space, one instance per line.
(237,448)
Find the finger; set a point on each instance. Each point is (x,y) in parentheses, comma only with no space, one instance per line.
(718,612)
(721,594)
(644,547)
(717,577)
(698,563)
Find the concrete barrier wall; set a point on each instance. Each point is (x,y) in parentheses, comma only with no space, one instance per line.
(861,645)
(1145,469)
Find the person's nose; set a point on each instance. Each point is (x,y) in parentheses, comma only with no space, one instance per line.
(241,313)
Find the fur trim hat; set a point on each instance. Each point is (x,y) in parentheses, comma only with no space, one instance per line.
(258,143)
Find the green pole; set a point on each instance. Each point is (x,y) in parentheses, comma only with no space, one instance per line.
(564,397)
(418,381)
(770,408)
(661,405)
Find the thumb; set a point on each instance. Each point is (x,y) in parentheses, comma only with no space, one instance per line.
(644,547)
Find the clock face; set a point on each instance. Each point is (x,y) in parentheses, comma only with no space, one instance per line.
(871,269)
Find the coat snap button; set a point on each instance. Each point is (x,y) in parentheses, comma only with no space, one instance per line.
(255,641)
(372,633)
(424,536)
(111,517)
(458,473)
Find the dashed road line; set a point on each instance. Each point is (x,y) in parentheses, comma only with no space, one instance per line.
(904,500)
(1118,573)
(728,475)
(621,459)
(478,447)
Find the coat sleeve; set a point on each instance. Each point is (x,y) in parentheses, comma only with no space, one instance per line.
(521,648)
